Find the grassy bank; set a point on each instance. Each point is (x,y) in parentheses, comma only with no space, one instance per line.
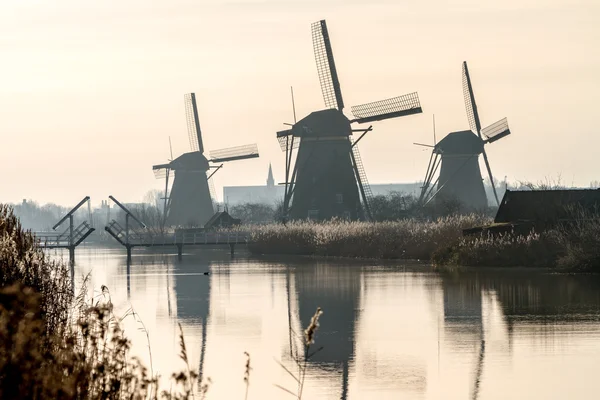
(574,248)
(405,239)
(54,345)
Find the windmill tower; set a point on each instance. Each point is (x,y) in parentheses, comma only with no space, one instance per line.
(457,158)
(190,202)
(327,178)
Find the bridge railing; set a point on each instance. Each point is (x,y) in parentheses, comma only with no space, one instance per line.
(64,239)
(197,238)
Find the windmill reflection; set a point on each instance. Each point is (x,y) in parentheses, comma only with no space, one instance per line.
(528,300)
(193,298)
(463,317)
(337,291)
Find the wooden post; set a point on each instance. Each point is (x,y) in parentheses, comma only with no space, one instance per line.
(180,251)
(128,274)
(232,249)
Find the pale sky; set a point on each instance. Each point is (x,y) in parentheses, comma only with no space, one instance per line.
(90,91)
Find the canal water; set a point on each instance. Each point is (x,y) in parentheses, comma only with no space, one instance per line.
(388,330)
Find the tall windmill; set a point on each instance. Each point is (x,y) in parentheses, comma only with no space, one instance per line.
(457,158)
(327,178)
(190,202)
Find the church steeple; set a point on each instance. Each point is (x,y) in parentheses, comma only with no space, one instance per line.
(270,180)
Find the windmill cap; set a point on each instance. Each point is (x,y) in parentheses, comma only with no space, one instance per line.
(193,161)
(462,142)
(323,123)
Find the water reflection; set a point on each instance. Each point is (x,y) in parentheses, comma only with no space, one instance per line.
(388,331)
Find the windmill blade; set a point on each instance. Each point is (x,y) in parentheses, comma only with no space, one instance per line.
(330,84)
(287,140)
(284,133)
(400,106)
(234,153)
(193,123)
(470,105)
(160,173)
(496,131)
(211,190)
(489,170)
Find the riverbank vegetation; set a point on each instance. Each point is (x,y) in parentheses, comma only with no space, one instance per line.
(403,239)
(54,345)
(575,247)
(58,345)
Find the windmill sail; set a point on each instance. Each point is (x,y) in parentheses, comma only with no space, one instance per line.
(330,84)
(472,113)
(474,122)
(213,192)
(234,153)
(193,123)
(496,131)
(287,141)
(384,109)
(160,173)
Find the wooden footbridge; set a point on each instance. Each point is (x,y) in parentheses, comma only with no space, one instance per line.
(130,239)
(174,239)
(71,237)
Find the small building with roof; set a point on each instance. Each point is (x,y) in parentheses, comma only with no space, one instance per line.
(523,210)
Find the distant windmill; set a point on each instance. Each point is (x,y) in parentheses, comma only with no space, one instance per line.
(457,158)
(190,202)
(328,174)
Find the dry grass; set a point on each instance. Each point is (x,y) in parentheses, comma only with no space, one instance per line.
(56,346)
(575,247)
(507,250)
(301,360)
(580,245)
(405,239)
(572,246)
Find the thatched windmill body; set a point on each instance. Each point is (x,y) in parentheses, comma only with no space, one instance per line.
(456,157)
(190,202)
(327,178)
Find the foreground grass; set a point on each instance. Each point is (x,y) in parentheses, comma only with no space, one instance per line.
(405,239)
(57,346)
(54,345)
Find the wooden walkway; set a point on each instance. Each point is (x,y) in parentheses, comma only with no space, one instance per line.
(130,238)
(64,240)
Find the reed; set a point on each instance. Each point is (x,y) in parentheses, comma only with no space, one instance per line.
(506,250)
(572,246)
(54,345)
(404,239)
(580,245)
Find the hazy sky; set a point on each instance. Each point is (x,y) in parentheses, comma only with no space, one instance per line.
(90,91)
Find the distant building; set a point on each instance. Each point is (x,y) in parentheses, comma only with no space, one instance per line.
(272,193)
(384,189)
(268,194)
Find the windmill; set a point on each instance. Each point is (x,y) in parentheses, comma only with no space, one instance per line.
(457,158)
(328,179)
(190,202)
